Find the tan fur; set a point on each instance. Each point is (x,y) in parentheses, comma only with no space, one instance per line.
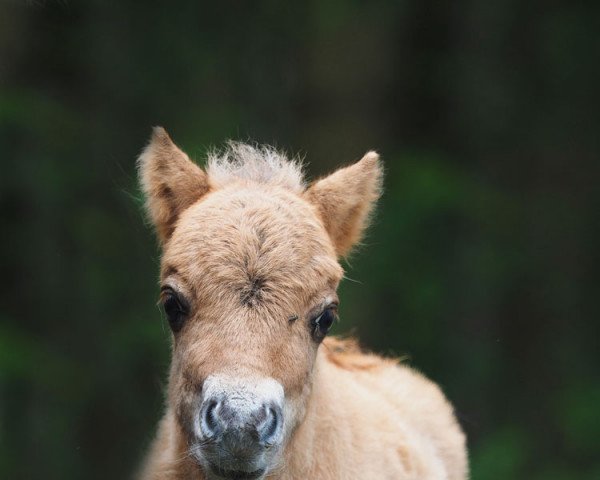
(170,181)
(250,249)
(346,198)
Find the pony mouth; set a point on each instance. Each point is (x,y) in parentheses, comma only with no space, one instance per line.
(236,474)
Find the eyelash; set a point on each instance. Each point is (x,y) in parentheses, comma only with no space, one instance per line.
(175,308)
(322,323)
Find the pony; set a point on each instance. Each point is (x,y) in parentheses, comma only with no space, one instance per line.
(248,278)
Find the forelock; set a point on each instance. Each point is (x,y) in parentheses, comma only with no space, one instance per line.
(254,163)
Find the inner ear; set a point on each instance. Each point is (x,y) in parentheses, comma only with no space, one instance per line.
(171,182)
(345,200)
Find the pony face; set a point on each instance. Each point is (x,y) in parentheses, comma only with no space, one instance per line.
(253,270)
(249,274)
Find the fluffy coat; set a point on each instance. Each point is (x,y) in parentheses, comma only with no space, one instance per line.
(255,253)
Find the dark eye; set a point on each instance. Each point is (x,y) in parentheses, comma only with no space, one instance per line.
(322,324)
(174,308)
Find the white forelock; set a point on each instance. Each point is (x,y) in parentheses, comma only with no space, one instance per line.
(255,163)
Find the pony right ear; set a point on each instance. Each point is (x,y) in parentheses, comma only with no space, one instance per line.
(345,200)
(170,181)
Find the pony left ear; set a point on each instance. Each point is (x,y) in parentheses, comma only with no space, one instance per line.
(346,198)
(170,181)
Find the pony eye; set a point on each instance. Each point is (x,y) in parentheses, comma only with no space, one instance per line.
(322,324)
(174,309)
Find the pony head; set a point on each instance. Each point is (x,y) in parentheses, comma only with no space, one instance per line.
(248,281)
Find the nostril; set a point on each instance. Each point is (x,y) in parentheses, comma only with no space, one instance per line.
(270,427)
(209,421)
(272,424)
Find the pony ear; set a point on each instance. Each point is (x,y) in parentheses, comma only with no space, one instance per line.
(171,182)
(345,200)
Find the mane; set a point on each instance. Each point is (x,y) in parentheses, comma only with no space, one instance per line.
(254,163)
(347,354)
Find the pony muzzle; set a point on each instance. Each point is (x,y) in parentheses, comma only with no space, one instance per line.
(239,425)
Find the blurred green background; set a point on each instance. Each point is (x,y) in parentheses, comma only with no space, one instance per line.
(482,267)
